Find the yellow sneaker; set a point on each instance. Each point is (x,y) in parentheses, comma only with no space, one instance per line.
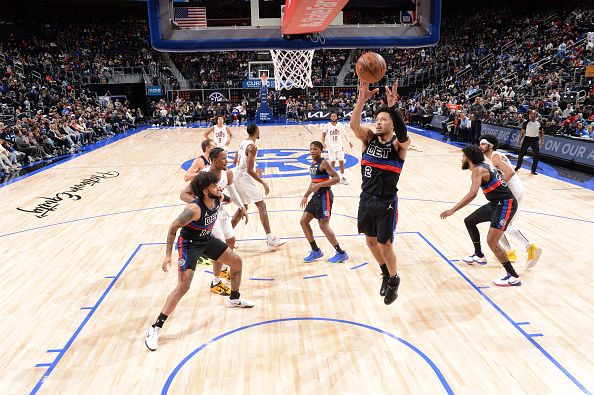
(220,289)
(225,274)
(534,253)
(204,261)
(511,255)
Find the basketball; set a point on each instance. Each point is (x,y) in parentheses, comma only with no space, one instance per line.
(371,67)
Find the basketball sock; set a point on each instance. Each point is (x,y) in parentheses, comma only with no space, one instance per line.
(234,295)
(510,269)
(477,249)
(338,249)
(504,243)
(520,237)
(314,246)
(160,320)
(393,280)
(385,271)
(215,280)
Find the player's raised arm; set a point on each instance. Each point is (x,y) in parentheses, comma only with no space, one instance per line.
(363,133)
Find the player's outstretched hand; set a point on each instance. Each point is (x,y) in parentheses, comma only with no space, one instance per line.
(166,264)
(364,92)
(446,214)
(244,214)
(303,202)
(391,94)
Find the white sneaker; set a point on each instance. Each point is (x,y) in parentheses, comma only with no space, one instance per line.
(343,181)
(470,259)
(274,243)
(243,303)
(508,281)
(152,338)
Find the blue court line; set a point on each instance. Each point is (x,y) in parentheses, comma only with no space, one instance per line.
(484,287)
(39,365)
(358,266)
(52,366)
(87,308)
(109,276)
(523,323)
(55,350)
(454,260)
(535,334)
(508,318)
(85,150)
(261,279)
(317,276)
(433,366)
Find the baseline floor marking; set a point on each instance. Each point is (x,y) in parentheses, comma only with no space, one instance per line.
(433,366)
(510,320)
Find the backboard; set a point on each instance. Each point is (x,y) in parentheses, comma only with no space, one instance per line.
(205,25)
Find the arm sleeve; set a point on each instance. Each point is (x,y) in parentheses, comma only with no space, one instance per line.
(235,198)
(399,126)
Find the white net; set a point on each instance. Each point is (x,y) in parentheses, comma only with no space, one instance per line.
(292,69)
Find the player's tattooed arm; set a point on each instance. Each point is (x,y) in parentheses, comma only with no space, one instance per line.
(191,212)
(334,177)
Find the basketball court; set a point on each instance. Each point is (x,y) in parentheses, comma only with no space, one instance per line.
(83,241)
(81,294)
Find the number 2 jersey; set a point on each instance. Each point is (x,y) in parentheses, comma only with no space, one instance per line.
(380,168)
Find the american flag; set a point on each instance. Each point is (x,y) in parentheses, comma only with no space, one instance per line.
(190,17)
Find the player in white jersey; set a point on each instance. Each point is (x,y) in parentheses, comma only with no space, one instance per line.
(222,133)
(222,230)
(332,139)
(247,178)
(489,144)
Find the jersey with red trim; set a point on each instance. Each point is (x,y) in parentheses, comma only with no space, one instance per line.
(496,188)
(318,175)
(380,168)
(201,229)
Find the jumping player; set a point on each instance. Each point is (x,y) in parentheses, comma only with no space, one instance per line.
(222,133)
(332,138)
(201,161)
(320,206)
(489,144)
(196,223)
(384,152)
(499,211)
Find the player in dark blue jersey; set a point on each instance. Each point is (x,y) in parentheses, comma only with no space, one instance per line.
(320,206)
(384,151)
(499,211)
(196,240)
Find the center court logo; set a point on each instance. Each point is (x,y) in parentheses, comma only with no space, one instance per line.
(286,162)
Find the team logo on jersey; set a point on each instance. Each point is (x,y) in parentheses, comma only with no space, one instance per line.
(286,162)
(182,262)
(502,222)
(326,213)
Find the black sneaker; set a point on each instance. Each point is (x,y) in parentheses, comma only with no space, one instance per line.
(392,292)
(534,173)
(385,279)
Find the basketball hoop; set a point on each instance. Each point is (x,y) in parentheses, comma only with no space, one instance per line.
(292,68)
